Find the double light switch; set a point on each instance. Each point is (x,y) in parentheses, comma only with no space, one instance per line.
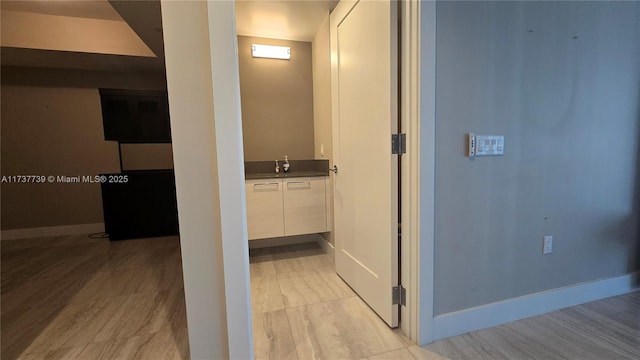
(485,145)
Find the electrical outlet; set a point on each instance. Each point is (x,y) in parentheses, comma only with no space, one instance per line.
(547,245)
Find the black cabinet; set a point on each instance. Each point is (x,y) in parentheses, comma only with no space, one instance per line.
(135,116)
(139,204)
(142,203)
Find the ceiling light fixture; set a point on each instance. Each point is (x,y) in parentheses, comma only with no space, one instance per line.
(271,52)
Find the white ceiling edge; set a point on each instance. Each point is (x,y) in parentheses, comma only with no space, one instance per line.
(281,19)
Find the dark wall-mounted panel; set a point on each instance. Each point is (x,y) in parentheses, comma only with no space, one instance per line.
(135,116)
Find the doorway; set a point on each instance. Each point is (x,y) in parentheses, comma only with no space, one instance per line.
(272,289)
(224,287)
(298,300)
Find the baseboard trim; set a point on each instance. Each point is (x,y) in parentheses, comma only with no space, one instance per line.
(326,246)
(37,232)
(481,317)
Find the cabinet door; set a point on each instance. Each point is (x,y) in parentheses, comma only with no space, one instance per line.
(265,215)
(304,206)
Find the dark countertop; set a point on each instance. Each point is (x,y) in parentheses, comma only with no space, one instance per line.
(299,168)
(283,175)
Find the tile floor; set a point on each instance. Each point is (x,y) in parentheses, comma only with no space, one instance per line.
(303,310)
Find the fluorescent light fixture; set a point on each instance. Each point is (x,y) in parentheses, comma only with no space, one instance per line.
(271,52)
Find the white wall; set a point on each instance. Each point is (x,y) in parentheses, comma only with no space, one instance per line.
(561,82)
(207,149)
(321,55)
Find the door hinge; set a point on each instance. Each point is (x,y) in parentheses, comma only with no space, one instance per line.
(398,295)
(398,143)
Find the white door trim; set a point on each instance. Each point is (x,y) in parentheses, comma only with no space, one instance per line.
(409,62)
(418,165)
(424,146)
(417,81)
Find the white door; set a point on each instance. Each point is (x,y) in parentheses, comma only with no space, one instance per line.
(365,113)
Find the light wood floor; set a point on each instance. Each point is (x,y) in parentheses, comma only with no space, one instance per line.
(72,297)
(77,298)
(604,329)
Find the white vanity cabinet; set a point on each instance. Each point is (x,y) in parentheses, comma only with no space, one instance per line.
(265,213)
(286,206)
(305,209)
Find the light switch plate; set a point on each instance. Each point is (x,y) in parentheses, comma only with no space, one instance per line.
(471,145)
(489,145)
(547,245)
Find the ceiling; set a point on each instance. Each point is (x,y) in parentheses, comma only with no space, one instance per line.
(282,19)
(87,35)
(126,35)
(82,9)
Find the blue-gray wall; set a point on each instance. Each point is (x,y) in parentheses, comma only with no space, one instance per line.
(568,108)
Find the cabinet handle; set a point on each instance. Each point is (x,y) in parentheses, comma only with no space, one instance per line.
(255,186)
(305,183)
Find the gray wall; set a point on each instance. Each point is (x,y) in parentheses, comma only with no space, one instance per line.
(568,108)
(277,102)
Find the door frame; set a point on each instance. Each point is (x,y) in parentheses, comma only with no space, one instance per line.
(409,106)
(417,119)
(418,170)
